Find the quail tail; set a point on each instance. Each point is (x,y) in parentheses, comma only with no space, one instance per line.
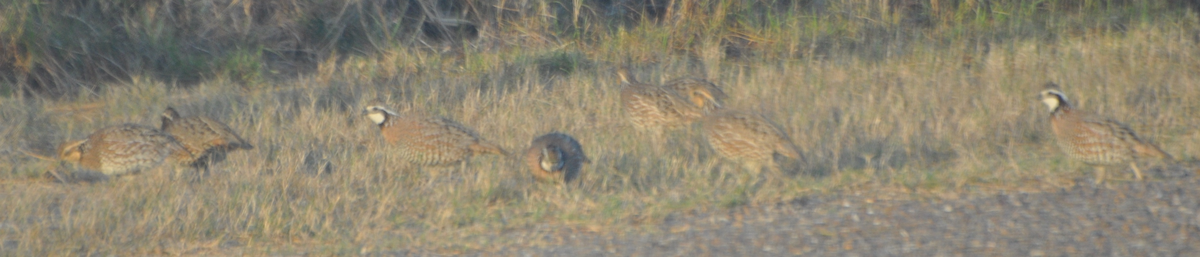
(483,147)
(1150,150)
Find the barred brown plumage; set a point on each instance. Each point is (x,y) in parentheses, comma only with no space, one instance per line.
(1094,139)
(702,93)
(653,108)
(555,156)
(748,138)
(124,149)
(431,141)
(207,140)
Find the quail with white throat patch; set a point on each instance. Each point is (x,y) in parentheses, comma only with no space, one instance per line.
(428,141)
(1096,140)
(555,156)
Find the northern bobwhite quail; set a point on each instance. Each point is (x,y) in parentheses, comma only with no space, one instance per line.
(429,141)
(748,138)
(555,156)
(124,149)
(653,108)
(1096,140)
(207,139)
(702,93)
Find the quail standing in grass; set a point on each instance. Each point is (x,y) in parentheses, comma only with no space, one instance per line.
(429,141)
(1096,140)
(207,139)
(554,157)
(124,149)
(653,108)
(748,138)
(702,93)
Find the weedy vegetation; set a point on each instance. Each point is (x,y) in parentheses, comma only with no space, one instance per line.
(898,99)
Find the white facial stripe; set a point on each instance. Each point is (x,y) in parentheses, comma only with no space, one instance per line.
(551,159)
(381,108)
(549,166)
(377,113)
(1050,102)
(1053,99)
(1057,93)
(376,117)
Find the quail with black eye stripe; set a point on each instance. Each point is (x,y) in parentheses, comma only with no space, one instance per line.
(1093,139)
(428,141)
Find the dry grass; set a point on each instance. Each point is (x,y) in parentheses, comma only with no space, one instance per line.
(922,119)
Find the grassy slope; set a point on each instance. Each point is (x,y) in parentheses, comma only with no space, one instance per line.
(882,104)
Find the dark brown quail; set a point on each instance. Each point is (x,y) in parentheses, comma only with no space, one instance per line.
(207,139)
(429,141)
(653,108)
(748,138)
(554,157)
(124,149)
(1094,139)
(702,93)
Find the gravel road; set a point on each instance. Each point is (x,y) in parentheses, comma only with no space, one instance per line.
(1150,218)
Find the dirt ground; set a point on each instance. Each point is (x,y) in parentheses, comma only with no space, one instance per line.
(1157,217)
